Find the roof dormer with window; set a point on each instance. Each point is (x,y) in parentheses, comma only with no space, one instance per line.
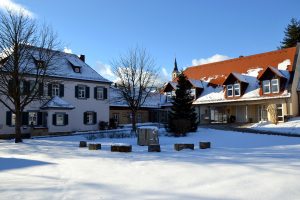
(235,85)
(272,81)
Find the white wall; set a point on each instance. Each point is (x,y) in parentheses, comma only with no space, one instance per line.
(101,107)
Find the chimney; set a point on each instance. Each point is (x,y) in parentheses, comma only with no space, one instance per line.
(82,57)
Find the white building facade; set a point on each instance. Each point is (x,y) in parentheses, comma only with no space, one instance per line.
(75,98)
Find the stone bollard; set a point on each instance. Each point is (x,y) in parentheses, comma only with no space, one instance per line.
(82,144)
(154,148)
(121,148)
(179,147)
(204,145)
(94,146)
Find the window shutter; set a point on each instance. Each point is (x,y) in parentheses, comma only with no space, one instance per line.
(54,119)
(94,118)
(66,119)
(49,89)
(87,91)
(45,119)
(76,91)
(25,118)
(61,90)
(41,89)
(85,117)
(8,118)
(95,92)
(26,85)
(10,87)
(105,93)
(39,118)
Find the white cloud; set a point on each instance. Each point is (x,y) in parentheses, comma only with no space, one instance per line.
(67,50)
(15,7)
(214,58)
(105,70)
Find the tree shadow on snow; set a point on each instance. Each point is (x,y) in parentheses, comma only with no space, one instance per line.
(18,163)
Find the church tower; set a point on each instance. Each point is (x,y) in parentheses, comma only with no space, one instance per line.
(175,72)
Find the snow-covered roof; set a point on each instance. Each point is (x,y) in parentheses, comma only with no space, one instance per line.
(62,65)
(196,83)
(154,100)
(239,76)
(57,103)
(277,72)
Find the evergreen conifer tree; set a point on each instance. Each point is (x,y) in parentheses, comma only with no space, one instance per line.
(292,34)
(182,118)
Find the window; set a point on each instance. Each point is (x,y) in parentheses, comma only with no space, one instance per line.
(99,93)
(229,90)
(266,87)
(77,69)
(81,91)
(275,85)
(139,118)
(90,118)
(55,89)
(32,118)
(237,91)
(279,112)
(116,117)
(60,119)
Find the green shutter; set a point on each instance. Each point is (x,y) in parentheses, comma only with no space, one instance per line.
(95,92)
(94,117)
(8,118)
(49,89)
(41,89)
(61,90)
(25,118)
(54,119)
(76,91)
(66,119)
(85,118)
(105,93)
(87,92)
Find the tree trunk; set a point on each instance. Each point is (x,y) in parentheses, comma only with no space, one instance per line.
(133,113)
(18,127)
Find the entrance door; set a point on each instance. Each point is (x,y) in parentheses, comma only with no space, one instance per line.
(241,114)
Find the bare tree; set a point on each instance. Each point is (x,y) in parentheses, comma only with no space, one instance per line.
(136,74)
(26,59)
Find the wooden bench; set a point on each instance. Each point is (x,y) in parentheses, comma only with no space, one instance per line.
(179,147)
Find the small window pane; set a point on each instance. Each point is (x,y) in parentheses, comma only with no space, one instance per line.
(266,87)
(81,91)
(229,90)
(55,90)
(237,89)
(13,119)
(99,93)
(275,85)
(59,119)
(32,118)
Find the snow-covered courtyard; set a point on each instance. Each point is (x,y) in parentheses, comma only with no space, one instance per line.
(238,166)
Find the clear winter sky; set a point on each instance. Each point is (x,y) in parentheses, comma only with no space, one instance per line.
(193,30)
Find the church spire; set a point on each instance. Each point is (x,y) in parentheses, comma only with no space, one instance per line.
(175,72)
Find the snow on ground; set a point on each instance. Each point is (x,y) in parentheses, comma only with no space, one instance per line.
(239,166)
(292,126)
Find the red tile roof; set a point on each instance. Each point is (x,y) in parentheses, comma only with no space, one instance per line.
(220,70)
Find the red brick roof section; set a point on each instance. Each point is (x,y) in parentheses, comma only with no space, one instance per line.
(217,72)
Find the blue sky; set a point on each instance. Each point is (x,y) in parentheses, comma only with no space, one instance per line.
(188,29)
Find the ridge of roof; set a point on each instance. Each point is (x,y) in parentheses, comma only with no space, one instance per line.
(245,57)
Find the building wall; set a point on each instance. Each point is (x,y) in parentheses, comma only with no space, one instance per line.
(101,107)
(142,116)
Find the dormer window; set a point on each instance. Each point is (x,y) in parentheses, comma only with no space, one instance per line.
(76,69)
(233,90)
(270,86)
